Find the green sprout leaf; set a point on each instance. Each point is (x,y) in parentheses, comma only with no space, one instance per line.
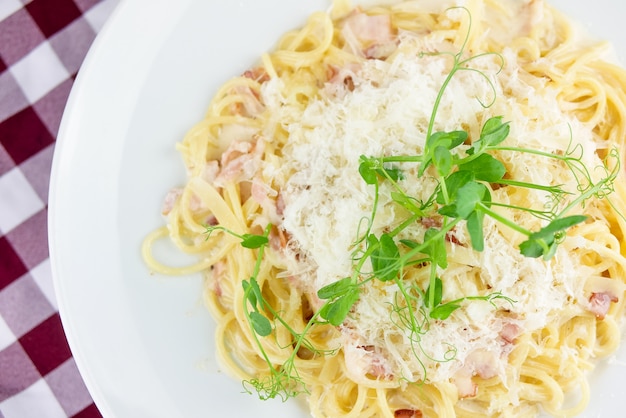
(475,229)
(367,171)
(260,323)
(485,167)
(544,242)
(446,140)
(384,257)
(493,133)
(255,292)
(442,159)
(467,199)
(409,203)
(437,289)
(435,247)
(438,310)
(442,312)
(335,289)
(249,294)
(336,311)
(371,169)
(453,183)
(393,173)
(561,224)
(253,241)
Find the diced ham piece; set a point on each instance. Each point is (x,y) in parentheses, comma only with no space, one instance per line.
(510,332)
(340,80)
(380,51)
(480,363)
(532,14)
(280,205)
(218,270)
(431,222)
(436,223)
(379,367)
(170,200)
(278,239)
(465,386)
(257,74)
(407,413)
(195,204)
(210,171)
(240,160)
(262,193)
(483,363)
(235,150)
(250,105)
(366,28)
(370,36)
(599,303)
(366,360)
(211,220)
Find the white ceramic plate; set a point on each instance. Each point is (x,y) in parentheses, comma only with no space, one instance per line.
(144,343)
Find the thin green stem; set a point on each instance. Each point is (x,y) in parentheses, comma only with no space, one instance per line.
(431,122)
(503,220)
(558,189)
(544,214)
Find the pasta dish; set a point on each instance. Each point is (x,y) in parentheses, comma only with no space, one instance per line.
(414,209)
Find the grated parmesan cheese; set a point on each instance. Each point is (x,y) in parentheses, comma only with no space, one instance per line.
(387,113)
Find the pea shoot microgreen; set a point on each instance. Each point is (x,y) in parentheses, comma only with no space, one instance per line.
(463,194)
(283,379)
(465,170)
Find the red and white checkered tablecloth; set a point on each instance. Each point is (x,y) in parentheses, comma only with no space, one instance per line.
(42,45)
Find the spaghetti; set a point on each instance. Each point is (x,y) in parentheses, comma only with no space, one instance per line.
(283,153)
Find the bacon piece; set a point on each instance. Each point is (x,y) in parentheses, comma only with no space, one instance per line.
(407,413)
(380,51)
(465,386)
(257,74)
(366,360)
(195,204)
(378,366)
(531,14)
(263,194)
(510,332)
(431,222)
(210,171)
(599,303)
(451,238)
(366,28)
(507,336)
(370,36)
(278,239)
(218,270)
(340,79)
(170,200)
(478,363)
(240,160)
(436,223)
(259,192)
(482,363)
(250,105)
(280,205)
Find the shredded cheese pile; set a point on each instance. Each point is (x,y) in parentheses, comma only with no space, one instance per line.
(386,111)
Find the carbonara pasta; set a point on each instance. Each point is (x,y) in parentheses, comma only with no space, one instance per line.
(412,210)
